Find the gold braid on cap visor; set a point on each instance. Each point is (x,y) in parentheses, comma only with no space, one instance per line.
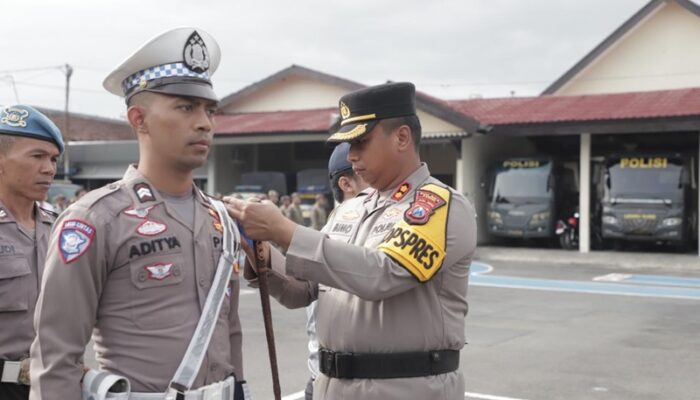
(351,134)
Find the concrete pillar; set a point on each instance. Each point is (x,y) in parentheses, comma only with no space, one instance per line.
(459,169)
(211,172)
(585,194)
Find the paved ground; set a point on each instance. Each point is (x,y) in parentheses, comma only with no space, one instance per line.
(536,330)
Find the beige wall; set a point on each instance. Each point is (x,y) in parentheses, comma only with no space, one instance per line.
(660,53)
(432,125)
(292,93)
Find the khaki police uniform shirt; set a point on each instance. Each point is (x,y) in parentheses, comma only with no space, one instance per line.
(21,267)
(120,260)
(368,302)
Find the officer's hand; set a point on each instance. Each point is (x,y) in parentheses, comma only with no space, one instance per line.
(261,220)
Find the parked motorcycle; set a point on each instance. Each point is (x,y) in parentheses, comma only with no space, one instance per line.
(567,231)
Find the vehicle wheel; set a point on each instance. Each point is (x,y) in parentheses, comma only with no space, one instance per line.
(565,241)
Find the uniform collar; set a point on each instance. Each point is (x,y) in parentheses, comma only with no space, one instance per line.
(5,215)
(40,215)
(144,194)
(409,185)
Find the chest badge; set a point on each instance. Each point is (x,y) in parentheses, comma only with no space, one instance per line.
(138,213)
(151,228)
(350,215)
(159,271)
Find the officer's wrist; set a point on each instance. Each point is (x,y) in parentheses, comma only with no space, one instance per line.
(284,234)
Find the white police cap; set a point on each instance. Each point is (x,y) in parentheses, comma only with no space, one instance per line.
(178,62)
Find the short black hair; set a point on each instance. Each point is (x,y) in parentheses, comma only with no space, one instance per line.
(411,121)
(6,142)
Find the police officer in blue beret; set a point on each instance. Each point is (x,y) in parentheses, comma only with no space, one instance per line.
(29,146)
(345,185)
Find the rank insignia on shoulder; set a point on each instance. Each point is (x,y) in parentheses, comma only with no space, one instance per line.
(423,206)
(3,213)
(151,228)
(75,239)
(143,192)
(418,241)
(401,191)
(138,213)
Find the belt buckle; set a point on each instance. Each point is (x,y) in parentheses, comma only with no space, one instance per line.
(343,365)
(10,372)
(327,360)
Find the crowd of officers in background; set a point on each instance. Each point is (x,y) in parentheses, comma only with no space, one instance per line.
(289,205)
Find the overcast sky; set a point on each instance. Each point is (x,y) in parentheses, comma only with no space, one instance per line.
(449,48)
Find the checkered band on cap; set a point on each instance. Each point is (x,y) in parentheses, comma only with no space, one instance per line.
(161,71)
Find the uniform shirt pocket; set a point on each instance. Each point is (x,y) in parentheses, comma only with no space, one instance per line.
(14,283)
(157,292)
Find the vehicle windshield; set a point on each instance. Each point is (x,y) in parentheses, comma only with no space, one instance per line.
(521,184)
(644,176)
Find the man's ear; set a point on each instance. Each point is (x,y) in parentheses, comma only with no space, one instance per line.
(403,138)
(137,118)
(344,183)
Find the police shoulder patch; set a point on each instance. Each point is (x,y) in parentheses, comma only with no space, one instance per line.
(75,239)
(418,241)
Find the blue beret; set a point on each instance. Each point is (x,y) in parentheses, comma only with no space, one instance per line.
(339,160)
(21,120)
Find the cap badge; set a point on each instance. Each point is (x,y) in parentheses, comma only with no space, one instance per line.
(196,54)
(344,110)
(14,117)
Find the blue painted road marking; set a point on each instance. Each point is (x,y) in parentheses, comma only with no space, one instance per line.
(480,277)
(663,280)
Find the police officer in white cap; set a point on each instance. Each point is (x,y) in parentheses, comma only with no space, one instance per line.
(144,264)
(29,146)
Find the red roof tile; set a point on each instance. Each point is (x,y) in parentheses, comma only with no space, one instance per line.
(550,109)
(89,127)
(294,121)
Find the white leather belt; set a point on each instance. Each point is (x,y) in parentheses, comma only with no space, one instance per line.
(10,371)
(216,391)
(97,385)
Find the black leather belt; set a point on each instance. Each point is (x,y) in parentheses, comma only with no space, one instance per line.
(387,365)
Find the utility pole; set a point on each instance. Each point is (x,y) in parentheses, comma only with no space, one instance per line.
(68,70)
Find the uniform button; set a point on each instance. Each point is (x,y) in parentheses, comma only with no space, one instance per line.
(142,276)
(435,356)
(202,282)
(176,271)
(112,186)
(213,368)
